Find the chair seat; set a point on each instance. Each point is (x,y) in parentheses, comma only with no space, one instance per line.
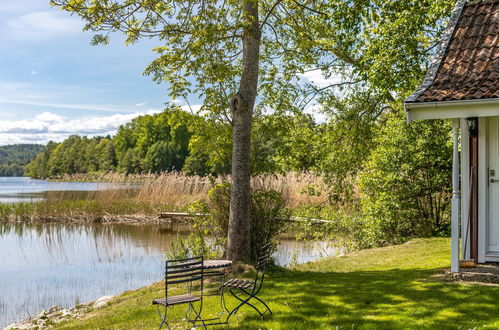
(240,284)
(174,300)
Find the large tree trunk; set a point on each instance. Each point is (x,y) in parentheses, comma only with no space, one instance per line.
(238,242)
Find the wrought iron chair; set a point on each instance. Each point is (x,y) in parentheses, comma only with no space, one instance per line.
(247,290)
(188,271)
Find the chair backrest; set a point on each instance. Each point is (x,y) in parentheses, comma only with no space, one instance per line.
(187,270)
(263,257)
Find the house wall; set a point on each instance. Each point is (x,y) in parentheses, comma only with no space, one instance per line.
(484,145)
(483,191)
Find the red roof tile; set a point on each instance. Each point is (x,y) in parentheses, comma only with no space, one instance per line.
(469,68)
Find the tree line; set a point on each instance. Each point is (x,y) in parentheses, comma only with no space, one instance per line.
(175,140)
(14,157)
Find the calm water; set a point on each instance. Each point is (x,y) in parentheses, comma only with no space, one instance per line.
(24,189)
(42,265)
(63,264)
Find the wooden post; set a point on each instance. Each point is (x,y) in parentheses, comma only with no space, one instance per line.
(455,200)
(474,190)
(465,190)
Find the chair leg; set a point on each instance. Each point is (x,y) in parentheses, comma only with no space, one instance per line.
(243,302)
(188,313)
(163,318)
(266,306)
(254,295)
(222,298)
(197,318)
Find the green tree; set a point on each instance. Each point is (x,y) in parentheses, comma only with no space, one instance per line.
(160,157)
(91,156)
(406,183)
(11,170)
(39,166)
(219,48)
(130,162)
(196,164)
(106,155)
(126,138)
(345,142)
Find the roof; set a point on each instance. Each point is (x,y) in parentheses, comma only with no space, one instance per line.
(467,65)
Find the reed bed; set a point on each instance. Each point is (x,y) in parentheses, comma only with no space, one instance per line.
(297,189)
(178,190)
(143,196)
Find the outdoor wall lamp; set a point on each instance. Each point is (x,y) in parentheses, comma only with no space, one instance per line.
(472,126)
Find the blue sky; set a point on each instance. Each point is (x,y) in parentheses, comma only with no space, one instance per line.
(53,83)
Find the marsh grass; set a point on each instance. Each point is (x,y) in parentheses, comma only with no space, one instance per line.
(148,194)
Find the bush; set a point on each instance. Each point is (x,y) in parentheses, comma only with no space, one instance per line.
(406,184)
(268,219)
(268,216)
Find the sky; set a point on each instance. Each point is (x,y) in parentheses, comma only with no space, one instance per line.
(53,83)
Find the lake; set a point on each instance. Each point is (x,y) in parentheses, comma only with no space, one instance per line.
(24,189)
(48,264)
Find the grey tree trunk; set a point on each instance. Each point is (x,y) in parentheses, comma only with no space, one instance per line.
(238,241)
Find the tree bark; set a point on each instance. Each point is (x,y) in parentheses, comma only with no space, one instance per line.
(238,241)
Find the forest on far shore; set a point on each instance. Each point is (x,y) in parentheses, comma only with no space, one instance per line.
(14,157)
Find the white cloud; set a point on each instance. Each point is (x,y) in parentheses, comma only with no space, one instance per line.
(49,117)
(34,72)
(93,107)
(44,24)
(141,104)
(48,126)
(193,108)
(317,78)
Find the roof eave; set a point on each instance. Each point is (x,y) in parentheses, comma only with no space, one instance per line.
(452,109)
(443,104)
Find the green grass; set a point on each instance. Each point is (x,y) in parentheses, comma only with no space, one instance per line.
(386,288)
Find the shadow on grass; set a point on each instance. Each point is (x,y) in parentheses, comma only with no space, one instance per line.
(373,300)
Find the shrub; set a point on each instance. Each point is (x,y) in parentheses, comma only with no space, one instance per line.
(268,216)
(268,219)
(406,184)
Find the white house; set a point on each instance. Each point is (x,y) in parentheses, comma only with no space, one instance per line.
(462,84)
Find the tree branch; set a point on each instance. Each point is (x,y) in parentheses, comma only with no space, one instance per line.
(310,9)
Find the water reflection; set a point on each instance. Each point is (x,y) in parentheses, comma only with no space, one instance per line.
(48,264)
(24,189)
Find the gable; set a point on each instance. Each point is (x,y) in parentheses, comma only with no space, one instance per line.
(469,66)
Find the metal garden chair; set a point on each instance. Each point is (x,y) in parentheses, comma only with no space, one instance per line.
(188,271)
(246,290)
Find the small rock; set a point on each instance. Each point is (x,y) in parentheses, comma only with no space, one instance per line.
(102,301)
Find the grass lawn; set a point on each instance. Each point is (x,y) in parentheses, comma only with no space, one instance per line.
(387,288)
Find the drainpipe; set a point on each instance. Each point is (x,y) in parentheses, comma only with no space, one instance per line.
(455,200)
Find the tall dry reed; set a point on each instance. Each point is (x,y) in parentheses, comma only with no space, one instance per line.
(178,190)
(149,194)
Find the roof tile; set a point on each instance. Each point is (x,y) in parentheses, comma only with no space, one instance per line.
(470,66)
